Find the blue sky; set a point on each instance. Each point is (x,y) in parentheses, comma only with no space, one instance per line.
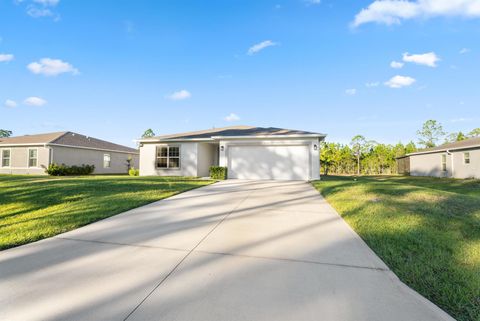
(111,69)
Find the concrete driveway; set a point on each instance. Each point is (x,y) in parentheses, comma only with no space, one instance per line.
(236,250)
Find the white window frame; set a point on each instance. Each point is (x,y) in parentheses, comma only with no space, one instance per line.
(109,160)
(28,158)
(444,162)
(9,158)
(179,157)
(466,158)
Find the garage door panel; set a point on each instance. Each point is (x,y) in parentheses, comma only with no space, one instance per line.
(269,162)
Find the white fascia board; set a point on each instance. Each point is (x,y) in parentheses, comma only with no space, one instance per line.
(17,145)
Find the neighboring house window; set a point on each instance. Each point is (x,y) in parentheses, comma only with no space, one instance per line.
(466,158)
(6,157)
(168,157)
(32,157)
(444,163)
(106,160)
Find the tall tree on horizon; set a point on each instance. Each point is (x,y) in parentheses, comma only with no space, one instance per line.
(431,132)
(358,144)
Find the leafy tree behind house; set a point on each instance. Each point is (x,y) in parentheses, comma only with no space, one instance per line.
(148,133)
(5,133)
(431,132)
(474,133)
(455,137)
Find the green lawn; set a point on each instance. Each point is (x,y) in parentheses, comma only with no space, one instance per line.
(427,230)
(36,207)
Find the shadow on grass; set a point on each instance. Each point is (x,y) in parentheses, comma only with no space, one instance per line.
(426,230)
(38,207)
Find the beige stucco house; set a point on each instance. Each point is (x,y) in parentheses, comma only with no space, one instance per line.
(31,154)
(247,152)
(458,160)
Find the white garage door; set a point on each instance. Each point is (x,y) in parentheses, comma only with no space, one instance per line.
(269,162)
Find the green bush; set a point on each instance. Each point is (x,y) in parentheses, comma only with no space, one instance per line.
(64,170)
(218,172)
(133,172)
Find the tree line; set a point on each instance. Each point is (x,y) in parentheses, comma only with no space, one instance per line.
(367,157)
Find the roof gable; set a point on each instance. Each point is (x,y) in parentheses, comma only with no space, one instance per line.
(463,144)
(65,139)
(31,139)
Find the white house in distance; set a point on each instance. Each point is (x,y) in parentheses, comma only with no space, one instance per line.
(247,152)
(31,154)
(459,160)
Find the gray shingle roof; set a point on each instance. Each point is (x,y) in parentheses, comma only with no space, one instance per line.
(234,131)
(65,139)
(464,144)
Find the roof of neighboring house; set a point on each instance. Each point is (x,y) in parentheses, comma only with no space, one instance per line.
(235,131)
(463,144)
(65,139)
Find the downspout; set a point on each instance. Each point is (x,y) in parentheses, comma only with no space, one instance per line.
(451,161)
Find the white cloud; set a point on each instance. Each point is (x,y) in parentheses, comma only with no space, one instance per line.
(464,51)
(394,11)
(313,2)
(400,81)
(396,64)
(10,103)
(39,12)
(429,59)
(6,57)
(180,95)
(232,117)
(260,46)
(372,84)
(52,67)
(47,2)
(35,101)
(351,92)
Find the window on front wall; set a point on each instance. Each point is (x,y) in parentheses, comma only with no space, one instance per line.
(168,157)
(106,160)
(466,158)
(6,158)
(32,157)
(444,163)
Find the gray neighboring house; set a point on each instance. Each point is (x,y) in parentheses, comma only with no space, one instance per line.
(248,153)
(31,154)
(457,160)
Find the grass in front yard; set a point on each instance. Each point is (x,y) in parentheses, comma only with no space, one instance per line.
(37,207)
(427,230)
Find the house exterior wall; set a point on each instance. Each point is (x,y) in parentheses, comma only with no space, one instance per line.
(78,156)
(314,159)
(430,165)
(19,160)
(188,160)
(462,170)
(207,156)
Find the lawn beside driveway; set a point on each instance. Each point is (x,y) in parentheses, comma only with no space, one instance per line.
(37,207)
(427,230)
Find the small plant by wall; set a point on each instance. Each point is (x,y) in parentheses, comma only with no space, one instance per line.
(218,172)
(133,172)
(64,170)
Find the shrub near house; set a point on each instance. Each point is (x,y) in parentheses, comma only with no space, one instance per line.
(64,170)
